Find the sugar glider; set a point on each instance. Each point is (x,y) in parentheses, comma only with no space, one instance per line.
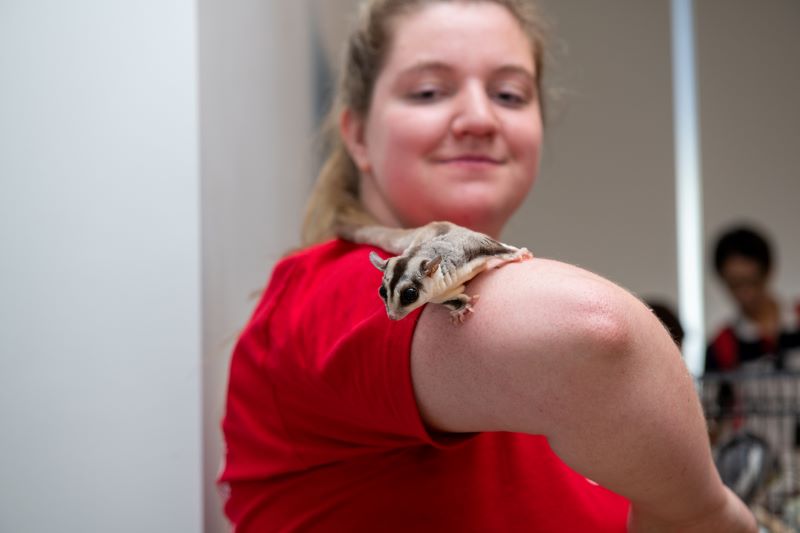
(434,263)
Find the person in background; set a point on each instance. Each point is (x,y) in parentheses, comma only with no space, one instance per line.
(764,334)
(561,405)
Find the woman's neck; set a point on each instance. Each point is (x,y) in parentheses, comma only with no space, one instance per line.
(375,202)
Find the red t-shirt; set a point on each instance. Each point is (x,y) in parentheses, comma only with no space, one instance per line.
(323,432)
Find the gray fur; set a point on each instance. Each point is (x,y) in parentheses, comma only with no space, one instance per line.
(435,260)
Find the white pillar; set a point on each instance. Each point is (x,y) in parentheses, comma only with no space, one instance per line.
(688,186)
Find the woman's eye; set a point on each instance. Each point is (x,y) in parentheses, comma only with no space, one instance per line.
(409,296)
(426,95)
(511,98)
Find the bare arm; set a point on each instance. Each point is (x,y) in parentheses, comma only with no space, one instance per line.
(557,351)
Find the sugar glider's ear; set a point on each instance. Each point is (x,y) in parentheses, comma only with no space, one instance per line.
(428,268)
(377,262)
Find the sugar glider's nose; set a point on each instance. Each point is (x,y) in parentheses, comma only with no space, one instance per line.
(396,314)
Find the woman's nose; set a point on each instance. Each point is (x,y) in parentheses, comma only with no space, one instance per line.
(474,113)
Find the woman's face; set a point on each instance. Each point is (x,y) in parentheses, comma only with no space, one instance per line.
(454,127)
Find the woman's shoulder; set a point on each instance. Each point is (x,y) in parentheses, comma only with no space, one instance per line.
(553,285)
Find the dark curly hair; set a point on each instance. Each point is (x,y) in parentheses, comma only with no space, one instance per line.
(743,241)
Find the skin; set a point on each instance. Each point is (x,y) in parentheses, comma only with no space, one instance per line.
(553,349)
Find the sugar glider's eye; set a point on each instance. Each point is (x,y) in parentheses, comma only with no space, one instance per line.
(382,292)
(409,296)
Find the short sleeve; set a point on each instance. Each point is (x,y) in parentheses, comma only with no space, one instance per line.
(338,367)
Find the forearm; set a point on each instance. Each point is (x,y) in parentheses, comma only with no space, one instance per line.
(638,428)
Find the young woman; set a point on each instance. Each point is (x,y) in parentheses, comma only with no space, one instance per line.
(339,419)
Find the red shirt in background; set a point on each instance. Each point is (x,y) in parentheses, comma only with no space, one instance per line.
(323,432)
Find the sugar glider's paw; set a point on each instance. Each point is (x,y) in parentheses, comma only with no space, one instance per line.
(460,307)
(523,254)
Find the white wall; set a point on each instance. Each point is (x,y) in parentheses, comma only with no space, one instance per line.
(605,197)
(99,268)
(749,81)
(257,166)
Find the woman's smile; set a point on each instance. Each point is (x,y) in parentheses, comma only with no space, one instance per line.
(448,110)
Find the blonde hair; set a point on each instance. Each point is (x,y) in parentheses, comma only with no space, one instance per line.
(335,198)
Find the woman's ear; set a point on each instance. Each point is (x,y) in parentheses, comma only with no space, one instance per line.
(351,129)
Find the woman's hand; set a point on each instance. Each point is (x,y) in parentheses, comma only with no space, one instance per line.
(730,517)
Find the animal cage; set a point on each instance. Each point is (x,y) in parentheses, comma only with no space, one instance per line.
(754,426)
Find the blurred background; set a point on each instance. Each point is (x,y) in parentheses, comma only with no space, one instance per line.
(154,161)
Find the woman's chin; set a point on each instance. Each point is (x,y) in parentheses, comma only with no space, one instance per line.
(478,216)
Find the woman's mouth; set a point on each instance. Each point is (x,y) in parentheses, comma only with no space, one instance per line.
(473,160)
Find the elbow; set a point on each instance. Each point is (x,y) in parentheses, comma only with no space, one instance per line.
(607,325)
(623,337)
